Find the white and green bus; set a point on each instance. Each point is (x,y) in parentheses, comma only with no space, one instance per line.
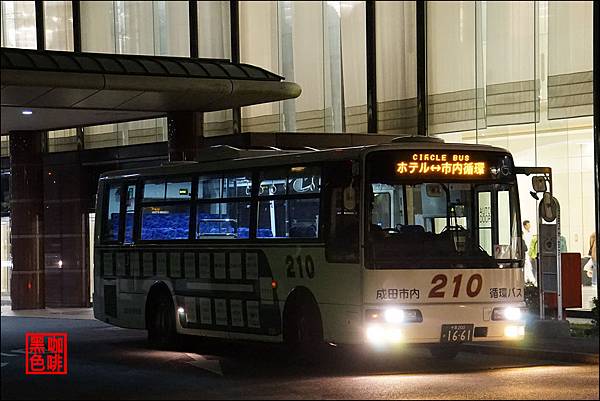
(414,241)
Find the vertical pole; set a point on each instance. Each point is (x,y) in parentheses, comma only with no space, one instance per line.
(559,302)
(596,59)
(185,132)
(371,55)
(540,270)
(76,7)
(422,68)
(39,25)
(27,281)
(234,15)
(193,18)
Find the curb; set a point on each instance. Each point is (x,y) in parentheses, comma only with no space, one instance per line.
(577,357)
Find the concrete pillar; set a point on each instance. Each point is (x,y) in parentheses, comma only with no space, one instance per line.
(66,231)
(27,219)
(185,131)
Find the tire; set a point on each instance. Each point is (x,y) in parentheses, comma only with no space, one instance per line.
(444,352)
(161,323)
(303,331)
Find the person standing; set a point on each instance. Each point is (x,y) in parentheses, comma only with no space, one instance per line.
(530,265)
(591,267)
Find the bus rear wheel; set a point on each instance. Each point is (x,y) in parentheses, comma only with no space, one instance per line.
(161,323)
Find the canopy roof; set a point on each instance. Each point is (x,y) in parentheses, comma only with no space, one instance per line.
(65,89)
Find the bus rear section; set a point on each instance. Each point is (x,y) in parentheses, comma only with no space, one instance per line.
(443,251)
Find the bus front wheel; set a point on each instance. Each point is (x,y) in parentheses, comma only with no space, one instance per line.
(303,331)
(161,323)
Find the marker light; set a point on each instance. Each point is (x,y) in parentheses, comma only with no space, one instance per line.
(27,112)
(509,313)
(394,315)
(180,310)
(512,314)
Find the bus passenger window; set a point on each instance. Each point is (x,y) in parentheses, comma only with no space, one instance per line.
(290,203)
(223,209)
(165,222)
(209,187)
(129,210)
(293,218)
(223,220)
(237,185)
(304,180)
(272,183)
(112,220)
(165,209)
(271,219)
(179,190)
(303,218)
(154,190)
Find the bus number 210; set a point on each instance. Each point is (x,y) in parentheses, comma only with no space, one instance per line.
(474,285)
(301,266)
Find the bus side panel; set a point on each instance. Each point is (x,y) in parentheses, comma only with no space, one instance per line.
(229,290)
(335,286)
(225,290)
(119,296)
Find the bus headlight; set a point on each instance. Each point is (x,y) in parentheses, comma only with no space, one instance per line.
(378,334)
(509,313)
(394,315)
(514,331)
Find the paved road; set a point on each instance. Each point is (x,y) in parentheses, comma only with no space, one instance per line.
(110,363)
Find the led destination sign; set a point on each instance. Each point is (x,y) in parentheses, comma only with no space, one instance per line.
(440,164)
(447,164)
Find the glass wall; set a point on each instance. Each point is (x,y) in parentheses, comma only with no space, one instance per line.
(319,45)
(5,258)
(396,49)
(214,41)
(4,145)
(18,24)
(133,27)
(518,75)
(58,24)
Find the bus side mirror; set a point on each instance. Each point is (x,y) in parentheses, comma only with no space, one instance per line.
(538,183)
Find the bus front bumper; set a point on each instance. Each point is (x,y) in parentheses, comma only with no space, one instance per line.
(392,325)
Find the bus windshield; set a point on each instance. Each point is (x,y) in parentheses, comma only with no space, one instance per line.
(442,225)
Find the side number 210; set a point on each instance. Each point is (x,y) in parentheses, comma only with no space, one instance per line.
(302,267)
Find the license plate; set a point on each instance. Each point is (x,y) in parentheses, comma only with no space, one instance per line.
(457,333)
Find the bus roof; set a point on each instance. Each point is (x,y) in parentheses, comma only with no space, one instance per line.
(224,157)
